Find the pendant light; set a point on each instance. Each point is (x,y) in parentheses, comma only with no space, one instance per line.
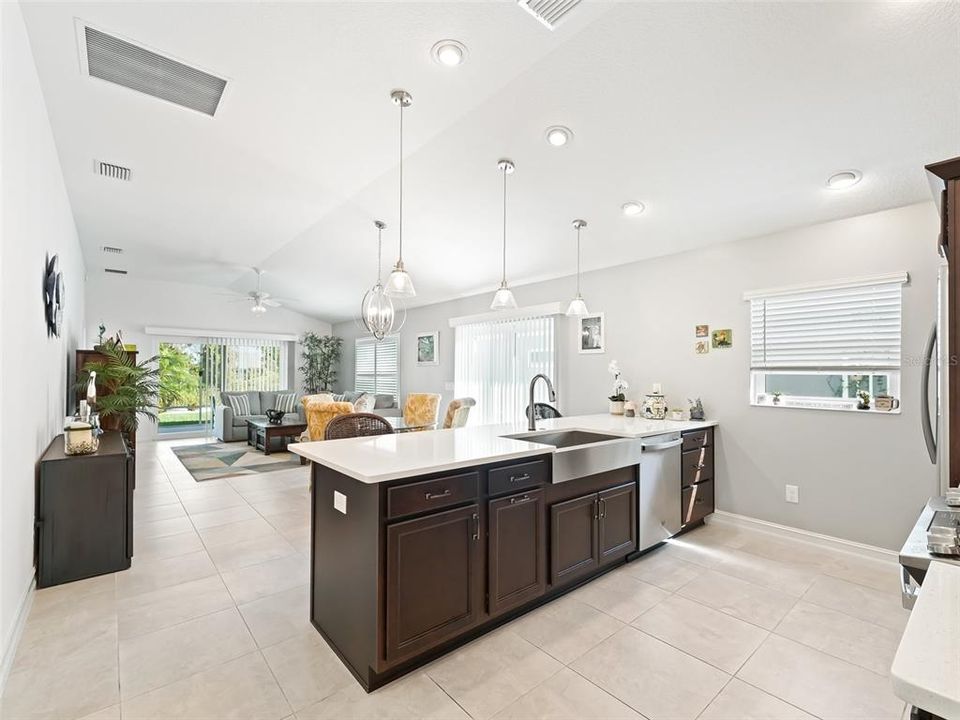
(503,299)
(399,283)
(577,307)
(376,309)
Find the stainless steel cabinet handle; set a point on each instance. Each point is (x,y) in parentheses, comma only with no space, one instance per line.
(520,478)
(596,509)
(476,526)
(517,501)
(701,466)
(435,496)
(603,508)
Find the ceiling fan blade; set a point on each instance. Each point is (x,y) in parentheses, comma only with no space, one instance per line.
(272,303)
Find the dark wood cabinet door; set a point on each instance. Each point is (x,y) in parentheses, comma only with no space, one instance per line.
(618,522)
(573,538)
(433,580)
(516,550)
(696,502)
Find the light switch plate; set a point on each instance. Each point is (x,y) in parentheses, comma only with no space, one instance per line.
(340,502)
(792,494)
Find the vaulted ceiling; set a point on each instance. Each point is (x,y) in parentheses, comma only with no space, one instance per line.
(724,119)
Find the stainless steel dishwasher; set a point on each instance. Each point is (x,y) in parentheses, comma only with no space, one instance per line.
(659,498)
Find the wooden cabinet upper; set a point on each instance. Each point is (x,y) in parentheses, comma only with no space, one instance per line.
(516,550)
(434,580)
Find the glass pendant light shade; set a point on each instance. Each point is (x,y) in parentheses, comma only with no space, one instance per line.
(503,299)
(577,306)
(399,284)
(377,311)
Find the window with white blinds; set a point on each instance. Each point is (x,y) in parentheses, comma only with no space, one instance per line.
(245,363)
(376,365)
(828,346)
(494,361)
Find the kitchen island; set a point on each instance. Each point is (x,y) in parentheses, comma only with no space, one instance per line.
(423,541)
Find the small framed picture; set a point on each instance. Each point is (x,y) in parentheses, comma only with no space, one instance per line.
(722,339)
(703,331)
(427,349)
(591,337)
(702,347)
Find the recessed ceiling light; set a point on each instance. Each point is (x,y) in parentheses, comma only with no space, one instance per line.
(449,52)
(844,179)
(558,135)
(632,208)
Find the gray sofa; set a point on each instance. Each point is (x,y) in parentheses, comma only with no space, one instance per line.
(386,405)
(229,427)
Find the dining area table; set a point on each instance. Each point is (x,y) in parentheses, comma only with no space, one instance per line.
(400,425)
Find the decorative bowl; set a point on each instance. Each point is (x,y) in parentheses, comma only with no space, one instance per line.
(275,417)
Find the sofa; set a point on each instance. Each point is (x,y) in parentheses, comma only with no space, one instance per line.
(385,405)
(229,427)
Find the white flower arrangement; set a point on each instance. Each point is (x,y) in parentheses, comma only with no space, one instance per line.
(619,384)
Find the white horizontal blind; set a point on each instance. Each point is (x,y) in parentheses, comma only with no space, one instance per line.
(244,364)
(494,362)
(846,327)
(376,365)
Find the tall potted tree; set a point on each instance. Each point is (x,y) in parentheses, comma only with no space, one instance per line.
(321,360)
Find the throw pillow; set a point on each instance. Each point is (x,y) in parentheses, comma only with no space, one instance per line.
(365,403)
(319,397)
(240,404)
(286,402)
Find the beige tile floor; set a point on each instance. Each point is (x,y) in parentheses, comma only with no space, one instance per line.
(211,622)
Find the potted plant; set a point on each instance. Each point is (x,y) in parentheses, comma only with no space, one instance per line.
(863,400)
(127,389)
(321,358)
(618,398)
(776,397)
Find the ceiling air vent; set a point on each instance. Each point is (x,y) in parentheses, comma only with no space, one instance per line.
(549,12)
(117,172)
(118,61)
(110,250)
(114,271)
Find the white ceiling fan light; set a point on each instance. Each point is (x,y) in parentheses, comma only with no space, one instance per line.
(844,179)
(558,135)
(577,306)
(503,299)
(632,208)
(400,284)
(449,53)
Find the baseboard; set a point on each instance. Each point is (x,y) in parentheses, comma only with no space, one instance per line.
(721,517)
(10,649)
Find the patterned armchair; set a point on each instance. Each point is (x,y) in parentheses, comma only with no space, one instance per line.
(457,412)
(421,409)
(320,413)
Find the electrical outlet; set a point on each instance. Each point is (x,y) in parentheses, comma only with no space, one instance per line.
(792,494)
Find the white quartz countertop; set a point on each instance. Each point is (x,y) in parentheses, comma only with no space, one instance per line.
(926,669)
(389,457)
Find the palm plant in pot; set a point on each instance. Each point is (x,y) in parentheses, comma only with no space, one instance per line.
(617,398)
(126,389)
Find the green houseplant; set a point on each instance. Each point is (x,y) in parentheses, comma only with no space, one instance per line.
(129,389)
(321,359)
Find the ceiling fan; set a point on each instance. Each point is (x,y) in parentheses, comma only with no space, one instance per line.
(261,300)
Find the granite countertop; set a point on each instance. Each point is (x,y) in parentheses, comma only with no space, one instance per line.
(926,669)
(390,457)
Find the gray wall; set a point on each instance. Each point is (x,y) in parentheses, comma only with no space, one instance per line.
(861,477)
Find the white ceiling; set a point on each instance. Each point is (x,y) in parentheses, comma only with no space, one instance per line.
(723,118)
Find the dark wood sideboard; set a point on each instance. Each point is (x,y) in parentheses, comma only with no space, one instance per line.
(84,511)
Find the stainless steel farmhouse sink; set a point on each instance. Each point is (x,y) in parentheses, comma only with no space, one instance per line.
(580,453)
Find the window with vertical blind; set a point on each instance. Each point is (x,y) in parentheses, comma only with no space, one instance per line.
(827,346)
(494,361)
(376,365)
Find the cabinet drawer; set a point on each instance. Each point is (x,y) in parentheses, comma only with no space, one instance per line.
(697,439)
(516,477)
(432,494)
(696,466)
(696,502)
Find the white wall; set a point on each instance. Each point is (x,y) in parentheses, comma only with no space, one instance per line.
(131,304)
(36,220)
(861,477)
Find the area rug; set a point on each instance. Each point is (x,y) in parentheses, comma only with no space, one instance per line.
(220,460)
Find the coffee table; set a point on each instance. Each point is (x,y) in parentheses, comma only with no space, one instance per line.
(261,432)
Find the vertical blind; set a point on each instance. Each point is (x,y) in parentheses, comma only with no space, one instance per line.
(376,365)
(494,362)
(245,364)
(848,326)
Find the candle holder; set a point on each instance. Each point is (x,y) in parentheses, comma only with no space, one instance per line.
(80,438)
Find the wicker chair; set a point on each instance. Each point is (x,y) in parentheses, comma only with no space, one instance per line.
(457,412)
(421,409)
(542,411)
(357,425)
